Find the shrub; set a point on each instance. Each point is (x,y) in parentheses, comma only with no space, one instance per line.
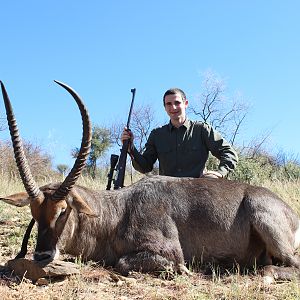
(38,160)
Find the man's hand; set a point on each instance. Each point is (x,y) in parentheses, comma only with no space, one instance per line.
(127,135)
(212,174)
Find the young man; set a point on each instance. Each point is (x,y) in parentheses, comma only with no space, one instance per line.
(182,146)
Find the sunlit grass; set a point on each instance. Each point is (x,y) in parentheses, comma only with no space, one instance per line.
(289,191)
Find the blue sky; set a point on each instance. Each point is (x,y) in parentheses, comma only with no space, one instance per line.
(104,48)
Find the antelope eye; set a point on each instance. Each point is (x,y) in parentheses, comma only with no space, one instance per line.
(62,212)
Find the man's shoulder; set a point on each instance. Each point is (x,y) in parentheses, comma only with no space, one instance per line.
(198,124)
(161,129)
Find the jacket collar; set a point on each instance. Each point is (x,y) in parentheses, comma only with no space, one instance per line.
(186,124)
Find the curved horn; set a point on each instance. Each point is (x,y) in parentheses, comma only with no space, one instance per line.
(84,151)
(31,187)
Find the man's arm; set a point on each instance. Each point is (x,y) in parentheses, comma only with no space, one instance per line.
(221,149)
(142,162)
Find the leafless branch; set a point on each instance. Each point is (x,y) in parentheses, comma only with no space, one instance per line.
(142,121)
(225,114)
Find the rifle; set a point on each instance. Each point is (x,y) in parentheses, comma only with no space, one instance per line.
(121,166)
(113,162)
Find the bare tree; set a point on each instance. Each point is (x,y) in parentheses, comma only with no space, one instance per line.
(39,160)
(3,125)
(142,122)
(213,106)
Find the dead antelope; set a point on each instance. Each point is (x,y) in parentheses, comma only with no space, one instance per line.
(159,222)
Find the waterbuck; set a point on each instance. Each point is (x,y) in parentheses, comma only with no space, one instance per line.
(158,223)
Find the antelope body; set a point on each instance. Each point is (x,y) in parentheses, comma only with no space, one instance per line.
(159,222)
(162,222)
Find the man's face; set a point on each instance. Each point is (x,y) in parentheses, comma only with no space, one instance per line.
(175,107)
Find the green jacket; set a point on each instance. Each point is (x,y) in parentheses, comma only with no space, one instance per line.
(183,151)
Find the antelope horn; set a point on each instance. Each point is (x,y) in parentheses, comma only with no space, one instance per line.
(31,187)
(84,151)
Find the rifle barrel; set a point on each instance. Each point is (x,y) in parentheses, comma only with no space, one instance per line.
(119,182)
(131,106)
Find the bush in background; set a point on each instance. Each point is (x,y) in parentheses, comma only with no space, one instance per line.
(39,161)
(257,168)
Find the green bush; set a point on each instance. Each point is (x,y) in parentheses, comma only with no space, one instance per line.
(259,168)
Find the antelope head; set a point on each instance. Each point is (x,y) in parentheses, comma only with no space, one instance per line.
(50,208)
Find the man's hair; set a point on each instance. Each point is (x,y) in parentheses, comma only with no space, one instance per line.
(174,91)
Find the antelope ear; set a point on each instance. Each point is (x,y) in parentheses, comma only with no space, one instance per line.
(77,203)
(19,199)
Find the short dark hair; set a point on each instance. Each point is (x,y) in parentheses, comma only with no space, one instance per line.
(174,91)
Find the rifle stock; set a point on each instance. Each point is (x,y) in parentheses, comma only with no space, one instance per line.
(119,181)
(113,162)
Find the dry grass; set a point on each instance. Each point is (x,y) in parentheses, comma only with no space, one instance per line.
(96,282)
(288,190)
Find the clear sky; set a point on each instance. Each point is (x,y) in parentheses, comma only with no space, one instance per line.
(104,48)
